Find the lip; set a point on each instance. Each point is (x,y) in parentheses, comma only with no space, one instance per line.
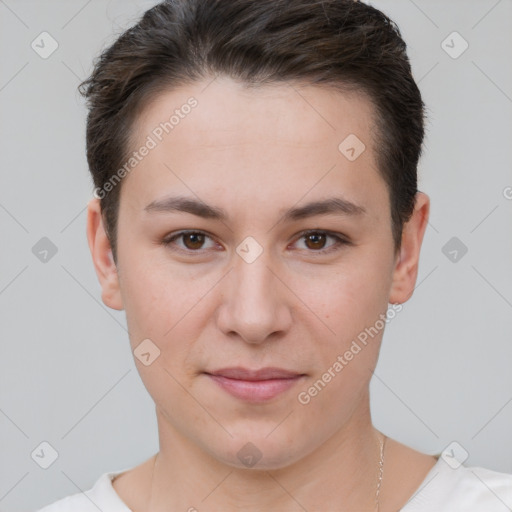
(255,386)
(267,373)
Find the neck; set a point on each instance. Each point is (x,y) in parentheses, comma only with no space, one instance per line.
(342,474)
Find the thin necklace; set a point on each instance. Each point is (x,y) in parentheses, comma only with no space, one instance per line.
(377,492)
(381,470)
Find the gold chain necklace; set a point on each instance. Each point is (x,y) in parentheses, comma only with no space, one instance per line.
(381,470)
(377,492)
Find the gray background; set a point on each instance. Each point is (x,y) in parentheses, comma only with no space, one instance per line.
(67,374)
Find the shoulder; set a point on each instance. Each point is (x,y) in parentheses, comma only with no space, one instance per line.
(100,497)
(75,502)
(449,487)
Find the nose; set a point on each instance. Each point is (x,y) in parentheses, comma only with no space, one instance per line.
(255,303)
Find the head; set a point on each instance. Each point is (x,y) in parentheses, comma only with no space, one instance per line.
(227,120)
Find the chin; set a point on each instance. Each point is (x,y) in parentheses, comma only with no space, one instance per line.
(259,452)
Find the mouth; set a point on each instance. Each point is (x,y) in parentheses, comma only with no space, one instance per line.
(255,385)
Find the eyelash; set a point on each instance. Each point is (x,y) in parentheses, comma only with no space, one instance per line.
(340,241)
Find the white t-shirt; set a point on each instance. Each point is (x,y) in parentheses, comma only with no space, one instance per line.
(444,489)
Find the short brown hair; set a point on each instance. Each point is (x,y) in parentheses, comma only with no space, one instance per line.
(344,44)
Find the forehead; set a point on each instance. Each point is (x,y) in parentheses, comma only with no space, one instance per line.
(282,139)
(284,113)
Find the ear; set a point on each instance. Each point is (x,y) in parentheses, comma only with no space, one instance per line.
(101,252)
(406,267)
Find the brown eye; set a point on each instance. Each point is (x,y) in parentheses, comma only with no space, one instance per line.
(193,241)
(315,241)
(188,242)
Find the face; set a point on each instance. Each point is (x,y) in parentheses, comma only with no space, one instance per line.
(258,280)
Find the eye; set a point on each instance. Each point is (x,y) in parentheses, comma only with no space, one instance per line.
(315,241)
(193,241)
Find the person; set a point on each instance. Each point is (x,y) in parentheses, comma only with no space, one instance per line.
(257,217)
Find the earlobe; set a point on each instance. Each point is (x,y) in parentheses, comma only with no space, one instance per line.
(103,260)
(406,268)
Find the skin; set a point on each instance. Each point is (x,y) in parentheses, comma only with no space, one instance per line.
(255,153)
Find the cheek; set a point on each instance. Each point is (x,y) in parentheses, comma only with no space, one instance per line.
(352,304)
(146,302)
(151,301)
(164,305)
(345,359)
(157,310)
(353,295)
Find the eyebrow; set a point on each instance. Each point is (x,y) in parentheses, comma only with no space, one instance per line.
(333,205)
